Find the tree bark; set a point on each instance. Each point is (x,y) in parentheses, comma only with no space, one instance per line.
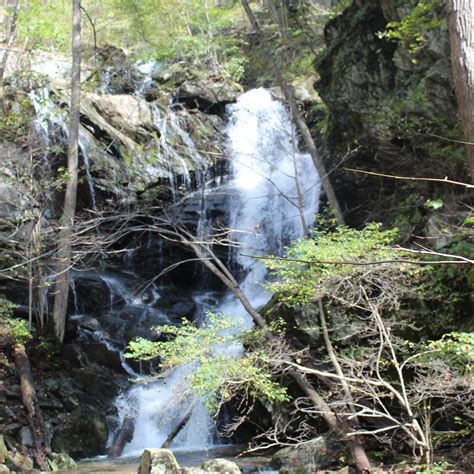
(121,438)
(33,411)
(461,38)
(182,423)
(298,119)
(10,40)
(69,210)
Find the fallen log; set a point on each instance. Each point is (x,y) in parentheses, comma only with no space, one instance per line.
(178,428)
(30,402)
(121,438)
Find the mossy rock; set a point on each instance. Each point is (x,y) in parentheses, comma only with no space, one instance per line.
(221,465)
(60,462)
(84,434)
(158,461)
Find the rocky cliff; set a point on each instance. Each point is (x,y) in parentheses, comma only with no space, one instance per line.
(390,106)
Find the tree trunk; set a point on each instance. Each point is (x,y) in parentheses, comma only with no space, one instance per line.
(69,210)
(11,38)
(177,429)
(461,38)
(298,119)
(121,438)
(33,411)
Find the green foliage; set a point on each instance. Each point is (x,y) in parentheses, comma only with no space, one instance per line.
(412,29)
(340,6)
(445,290)
(167,30)
(16,119)
(215,376)
(17,328)
(434,204)
(435,468)
(46,24)
(320,258)
(456,348)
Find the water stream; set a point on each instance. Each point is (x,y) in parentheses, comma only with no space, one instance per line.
(264,216)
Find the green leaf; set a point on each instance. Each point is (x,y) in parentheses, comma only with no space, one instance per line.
(434,204)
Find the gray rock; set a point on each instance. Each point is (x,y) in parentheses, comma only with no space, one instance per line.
(3,449)
(83,434)
(4,469)
(158,461)
(206,95)
(26,436)
(19,462)
(125,118)
(305,458)
(220,465)
(442,226)
(60,462)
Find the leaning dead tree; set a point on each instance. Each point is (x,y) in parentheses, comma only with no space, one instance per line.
(298,119)
(203,250)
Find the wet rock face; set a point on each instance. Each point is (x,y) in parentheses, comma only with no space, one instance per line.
(83,434)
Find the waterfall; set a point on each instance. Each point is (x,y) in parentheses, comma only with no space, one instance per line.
(265,215)
(52,129)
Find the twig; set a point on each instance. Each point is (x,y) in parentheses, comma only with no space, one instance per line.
(411,178)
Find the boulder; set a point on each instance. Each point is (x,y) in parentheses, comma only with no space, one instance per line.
(3,449)
(26,437)
(99,384)
(83,434)
(93,295)
(305,458)
(344,470)
(304,90)
(4,469)
(380,94)
(220,465)
(125,118)
(17,461)
(207,96)
(60,462)
(10,202)
(442,227)
(158,461)
(85,353)
(175,74)
(117,73)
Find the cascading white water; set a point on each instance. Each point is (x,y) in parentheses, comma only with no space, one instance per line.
(51,122)
(264,214)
